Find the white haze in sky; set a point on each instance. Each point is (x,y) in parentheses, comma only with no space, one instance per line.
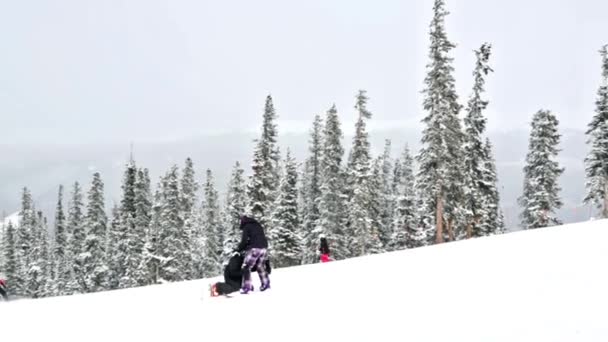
(83,71)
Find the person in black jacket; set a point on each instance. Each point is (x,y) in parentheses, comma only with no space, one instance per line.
(254,244)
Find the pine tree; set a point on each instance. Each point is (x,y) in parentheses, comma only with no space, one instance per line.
(331,202)
(77,236)
(493,222)
(284,236)
(10,253)
(189,188)
(37,270)
(387,197)
(60,250)
(171,235)
(476,189)
(440,158)
(94,251)
(358,178)
(129,242)
(596,162)
(212,232)
(540,197)
(311,191)
(376,195)
(407,233)
(264,181)
(24,241)
(236,201)
(112,250)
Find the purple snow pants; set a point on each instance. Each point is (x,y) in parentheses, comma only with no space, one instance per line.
(255,257)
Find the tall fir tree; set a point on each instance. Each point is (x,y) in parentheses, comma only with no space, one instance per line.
(115,264)
(440,158)
(77,236)
(284,232)
(493,222)
(212,231)
(189,188)
(476,188)
(387,199)
(129,242)
(596,161)
(188,193)
(407,233)
(24,241)
(94,251)
(136,270)
(264,180)
(10,253)
(375,209)
(60,249)
(236,202)
(540,196)
(311,191)
(358,177)
(36,267)
(171,235)
(332,202)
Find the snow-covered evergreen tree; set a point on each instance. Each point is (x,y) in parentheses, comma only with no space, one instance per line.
(189,188)
(285,238)
(332,203)
(311,191)
(37,274)
(358,177)
(596,161)
(24,242)
(476,189)
(112,246)
(387,197)
(376,195)
(264,180)
(236,202)
(10,253)
(440,158)
(129,243)
(493,222)
(212,229)
(171,251)
(94,251)
(540,196)
(60,249)
(77,236)
(407,232)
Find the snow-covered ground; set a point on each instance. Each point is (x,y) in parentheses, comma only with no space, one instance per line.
(542,285)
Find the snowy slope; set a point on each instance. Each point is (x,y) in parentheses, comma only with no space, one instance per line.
(543,285)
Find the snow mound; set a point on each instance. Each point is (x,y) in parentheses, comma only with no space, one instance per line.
(541,285)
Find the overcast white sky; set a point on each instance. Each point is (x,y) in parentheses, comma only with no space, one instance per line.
(77,71)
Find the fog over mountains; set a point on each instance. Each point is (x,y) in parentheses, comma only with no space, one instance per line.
(43,167)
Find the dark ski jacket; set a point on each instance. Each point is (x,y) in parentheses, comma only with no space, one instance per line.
(252,236)
(324,249)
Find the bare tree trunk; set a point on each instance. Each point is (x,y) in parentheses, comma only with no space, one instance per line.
(605,211)
(439,219)
(469,230)
(450,230)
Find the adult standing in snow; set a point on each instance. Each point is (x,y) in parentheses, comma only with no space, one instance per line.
(324,249)
(255,245)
